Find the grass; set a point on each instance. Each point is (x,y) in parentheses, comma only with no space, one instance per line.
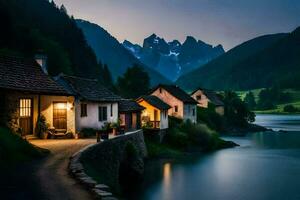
(14,149)
(295,101)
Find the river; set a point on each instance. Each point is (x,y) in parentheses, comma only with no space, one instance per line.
(265,166)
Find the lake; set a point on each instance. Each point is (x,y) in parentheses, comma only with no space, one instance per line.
(265,166)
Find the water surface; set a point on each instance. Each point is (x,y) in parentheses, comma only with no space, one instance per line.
(265,166)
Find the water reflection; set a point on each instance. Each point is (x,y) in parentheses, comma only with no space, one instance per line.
(265,166)
(279,122)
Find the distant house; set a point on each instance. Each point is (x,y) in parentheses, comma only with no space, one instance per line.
(130,114)
(182,105)
(155,113)
(94,104)
(204,97)
(27,93)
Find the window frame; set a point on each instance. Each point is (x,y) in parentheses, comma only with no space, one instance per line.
(102,113)
(83,110)
(176,109)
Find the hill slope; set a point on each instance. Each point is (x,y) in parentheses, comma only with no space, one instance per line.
(247,66)
(28,26)
(109,51)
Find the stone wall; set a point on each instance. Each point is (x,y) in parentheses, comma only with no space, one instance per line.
(106,157)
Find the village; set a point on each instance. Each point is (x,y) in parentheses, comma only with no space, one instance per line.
(40,106)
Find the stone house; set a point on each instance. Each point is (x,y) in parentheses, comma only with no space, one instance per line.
(182,105)
(155,113)
(27,93)
(204,97)
(130,114)
(95,105)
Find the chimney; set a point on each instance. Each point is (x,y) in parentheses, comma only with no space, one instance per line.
(41,59)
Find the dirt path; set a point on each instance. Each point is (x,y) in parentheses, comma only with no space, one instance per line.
(47,178)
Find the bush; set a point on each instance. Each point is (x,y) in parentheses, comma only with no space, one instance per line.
(15,149)
(290,109)
(210,117)
(177,139)
(87,132)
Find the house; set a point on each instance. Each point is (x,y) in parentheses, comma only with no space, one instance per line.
(155,114)
(94,104)
(27,93)
(183,105)
(130,114)
(204,97)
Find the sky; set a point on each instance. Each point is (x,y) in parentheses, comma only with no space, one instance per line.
(226,22)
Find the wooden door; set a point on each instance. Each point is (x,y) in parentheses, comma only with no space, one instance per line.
(60,115)
(25,120)
(134,120)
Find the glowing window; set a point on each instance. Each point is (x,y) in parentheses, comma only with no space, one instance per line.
(25,107)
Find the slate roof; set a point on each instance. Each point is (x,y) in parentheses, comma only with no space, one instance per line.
(128,105)
(87,89)
(212,96)
(21,74)
(155,101)
(177,92)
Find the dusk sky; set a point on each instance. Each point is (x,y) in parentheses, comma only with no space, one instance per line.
(226,22)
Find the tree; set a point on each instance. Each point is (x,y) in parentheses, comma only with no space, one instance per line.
(107,78)
(250,100)
(134,83)
(236,111)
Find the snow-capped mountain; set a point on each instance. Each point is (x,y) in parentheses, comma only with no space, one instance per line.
(172,59)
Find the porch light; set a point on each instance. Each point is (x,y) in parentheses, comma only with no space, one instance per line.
(61,105)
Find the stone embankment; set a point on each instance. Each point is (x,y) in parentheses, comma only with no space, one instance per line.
(107,157)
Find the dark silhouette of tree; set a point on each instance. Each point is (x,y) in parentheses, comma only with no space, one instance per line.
(250,100)
(134,83)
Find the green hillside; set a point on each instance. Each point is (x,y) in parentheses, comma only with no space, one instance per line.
(257,63)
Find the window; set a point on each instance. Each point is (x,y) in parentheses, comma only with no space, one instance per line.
(83,109)
(165,114)
(102,113)
(160,90)
(198,97)
(111,110)
(194,112)
(25,107)
(176,108)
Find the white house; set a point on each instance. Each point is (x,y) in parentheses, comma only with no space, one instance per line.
(94,104)
(182,105)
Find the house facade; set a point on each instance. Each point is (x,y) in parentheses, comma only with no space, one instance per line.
(130,115)
(95,105)
(155,113)
(182,105)
(204,97)
(27,94)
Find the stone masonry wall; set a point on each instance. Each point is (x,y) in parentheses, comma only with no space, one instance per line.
(106,157)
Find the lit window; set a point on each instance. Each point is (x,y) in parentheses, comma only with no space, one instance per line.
(83,109)
(25,107)
(102,113)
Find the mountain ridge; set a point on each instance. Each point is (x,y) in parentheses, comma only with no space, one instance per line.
(173,58)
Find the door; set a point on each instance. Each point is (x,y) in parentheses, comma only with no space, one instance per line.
(25,120)
(134,120)
(60,115)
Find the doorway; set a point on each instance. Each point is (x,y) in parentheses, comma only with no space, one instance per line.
(60,115)
(25,120)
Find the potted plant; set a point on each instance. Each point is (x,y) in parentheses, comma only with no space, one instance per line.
(42,127)
(115,126)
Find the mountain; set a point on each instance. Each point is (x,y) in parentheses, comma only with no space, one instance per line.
(29,26)
(173,59)
(257,63)
(109,51)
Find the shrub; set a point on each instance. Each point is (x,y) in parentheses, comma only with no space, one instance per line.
(176,138)
(290,109)
(87,132)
